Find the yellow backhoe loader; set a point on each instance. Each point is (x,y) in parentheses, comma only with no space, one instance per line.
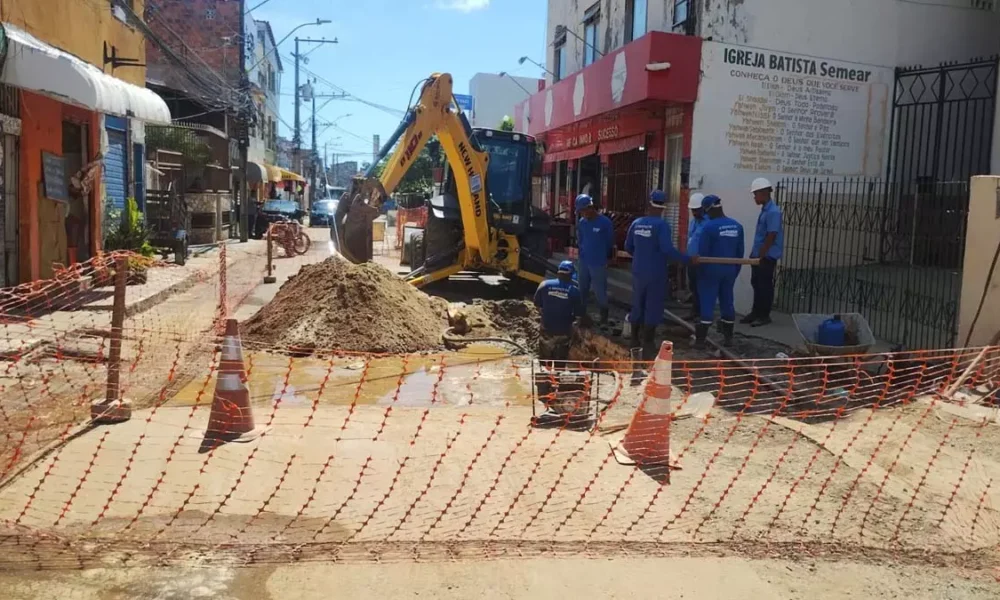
(483,221)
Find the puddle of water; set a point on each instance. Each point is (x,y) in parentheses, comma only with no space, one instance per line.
(479,375)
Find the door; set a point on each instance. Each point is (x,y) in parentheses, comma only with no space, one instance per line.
(116,164)
(672,183)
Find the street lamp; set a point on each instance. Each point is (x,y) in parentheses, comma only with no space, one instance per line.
(516,82)
(562,30)
(284,39)
(524,59)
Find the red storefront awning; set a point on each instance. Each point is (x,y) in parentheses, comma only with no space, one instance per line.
(660,67)
(622,145)
(573,154)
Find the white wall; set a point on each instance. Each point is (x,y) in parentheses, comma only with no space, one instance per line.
(783,120)
(495,97)
(881,32)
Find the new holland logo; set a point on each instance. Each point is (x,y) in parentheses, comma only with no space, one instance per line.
(558,293)
(730,231)
(644,231)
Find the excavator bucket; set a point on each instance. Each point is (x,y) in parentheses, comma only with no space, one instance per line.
(352,221)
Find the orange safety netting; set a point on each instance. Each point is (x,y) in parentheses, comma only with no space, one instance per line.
(369,457)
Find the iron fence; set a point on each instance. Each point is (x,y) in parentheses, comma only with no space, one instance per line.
(892,252)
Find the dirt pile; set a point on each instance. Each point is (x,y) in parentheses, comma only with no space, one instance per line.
(518,319)
(336,305)
(588,347)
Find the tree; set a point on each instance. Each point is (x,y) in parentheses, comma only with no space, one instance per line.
(419,176)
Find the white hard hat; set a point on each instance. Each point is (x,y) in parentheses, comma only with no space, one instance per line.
(759,184)
(695,202)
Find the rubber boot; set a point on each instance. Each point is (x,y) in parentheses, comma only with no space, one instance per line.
(604,316)
(648,344)
(727,333)
(700,335)
(638,374)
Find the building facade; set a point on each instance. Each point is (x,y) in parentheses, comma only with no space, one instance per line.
(494,96)
(265,70)
(707,95)
(74,109)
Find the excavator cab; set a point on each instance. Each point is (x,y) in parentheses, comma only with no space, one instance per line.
(512,157)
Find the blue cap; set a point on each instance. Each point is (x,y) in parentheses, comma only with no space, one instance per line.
(657,198)
(566,266)
(711,200)
(583,201)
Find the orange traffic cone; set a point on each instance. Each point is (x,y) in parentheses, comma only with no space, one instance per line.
(231,419)
(647,441)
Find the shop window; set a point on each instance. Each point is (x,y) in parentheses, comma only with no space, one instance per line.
(635,19)
(592,18)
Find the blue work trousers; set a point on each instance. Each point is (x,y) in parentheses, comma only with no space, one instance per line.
(712,288)
(649,299)
(596,279)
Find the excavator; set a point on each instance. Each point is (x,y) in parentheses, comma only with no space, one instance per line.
(483,221)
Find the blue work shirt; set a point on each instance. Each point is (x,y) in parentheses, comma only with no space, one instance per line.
(595,240)
(651,245)
(694,232)
(769,221)
(560,304)
(721,238)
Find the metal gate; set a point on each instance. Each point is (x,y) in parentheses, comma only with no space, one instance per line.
(942,124)
(839,256)
(893,249)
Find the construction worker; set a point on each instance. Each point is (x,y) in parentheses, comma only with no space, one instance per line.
(595,238)
(694,231)
(560,303)
(651,245)
(768,242)
(721,237)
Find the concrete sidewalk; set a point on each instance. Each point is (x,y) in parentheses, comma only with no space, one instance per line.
(24,334)
(782,330)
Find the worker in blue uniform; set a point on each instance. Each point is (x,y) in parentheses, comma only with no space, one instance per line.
(595,239)
(560,304)
(694,232)
(768,244)
(651,245)
(721,237)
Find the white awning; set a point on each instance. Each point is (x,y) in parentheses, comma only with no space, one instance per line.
(32,64)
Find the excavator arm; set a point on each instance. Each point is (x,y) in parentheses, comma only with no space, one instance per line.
(483,247)
(432,115)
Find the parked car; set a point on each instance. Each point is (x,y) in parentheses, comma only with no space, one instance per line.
(277,210)
(321,212)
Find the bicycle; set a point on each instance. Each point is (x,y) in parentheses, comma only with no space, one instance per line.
(290,237)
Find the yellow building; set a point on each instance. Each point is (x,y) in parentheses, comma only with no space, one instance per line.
(72,101)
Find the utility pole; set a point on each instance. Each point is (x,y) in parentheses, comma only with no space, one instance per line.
(315,148)
(297,138)
(244,127)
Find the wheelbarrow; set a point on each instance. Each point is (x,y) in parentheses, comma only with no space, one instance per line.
(841,371)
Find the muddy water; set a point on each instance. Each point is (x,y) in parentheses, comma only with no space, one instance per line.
(476,375)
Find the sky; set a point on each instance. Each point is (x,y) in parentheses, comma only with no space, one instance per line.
(385,47)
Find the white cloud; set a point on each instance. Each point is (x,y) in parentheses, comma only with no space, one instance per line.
(463,5)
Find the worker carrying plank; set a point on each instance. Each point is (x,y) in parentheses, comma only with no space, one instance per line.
(721,238)
(560,303)
(651,245)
